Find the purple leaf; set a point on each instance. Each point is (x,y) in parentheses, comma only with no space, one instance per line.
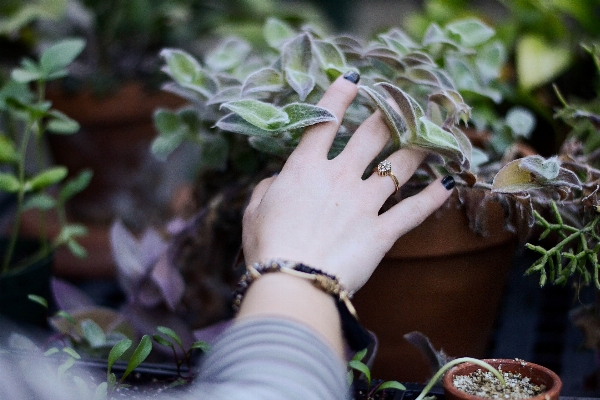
(169,281)
(68,297)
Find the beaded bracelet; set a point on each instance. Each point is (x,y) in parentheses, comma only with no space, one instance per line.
(357,336)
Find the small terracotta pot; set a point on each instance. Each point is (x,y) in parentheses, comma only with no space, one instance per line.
(537,373)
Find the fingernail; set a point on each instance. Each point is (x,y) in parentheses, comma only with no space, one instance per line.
(352,76)
(448,182)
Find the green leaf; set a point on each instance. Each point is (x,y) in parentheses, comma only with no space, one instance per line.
(167,122)
(391,385)
(392,118)
(361,367)
(76,249)
(163,146)
(139,355)
(162,341)
(117,351)
(93,333)
(302,115)
(329,56)
(201,345)
(62,124)
(76,185)
(9,183)
(236,124)
(471,31)
(101,392)
(60,55)
(490,59)
(262,115)
(301,82)
(38,299)
(66,315)
(51,351)
(46,178)
(64,367)
(170,333)
(214,151)
(25,76)
(41,201)
(539,61)
(263,80)
(521,121)
(360,355)
(270,145)
(434,137)
(70,351)
(181,66)
(227,55)
(277,32)
(8,151)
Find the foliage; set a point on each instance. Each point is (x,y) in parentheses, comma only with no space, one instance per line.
(25,118)
(357,364)
(170,339)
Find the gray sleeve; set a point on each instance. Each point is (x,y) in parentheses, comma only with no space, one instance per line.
(271,358)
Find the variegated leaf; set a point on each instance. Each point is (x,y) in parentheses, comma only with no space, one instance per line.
(228,55)
(264,80)
(277,32)
(392,118)
(302,115)
(236,124)
(471,31)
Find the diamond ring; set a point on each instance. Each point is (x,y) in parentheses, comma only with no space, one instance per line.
(384,168)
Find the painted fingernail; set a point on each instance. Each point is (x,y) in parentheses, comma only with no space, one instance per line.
(352,76)
(448,182)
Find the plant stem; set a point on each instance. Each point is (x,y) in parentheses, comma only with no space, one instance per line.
(20,198)
(451,364)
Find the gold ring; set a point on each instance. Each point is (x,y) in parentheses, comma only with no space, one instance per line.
(384,168)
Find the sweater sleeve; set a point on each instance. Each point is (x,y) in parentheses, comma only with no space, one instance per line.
(271,358)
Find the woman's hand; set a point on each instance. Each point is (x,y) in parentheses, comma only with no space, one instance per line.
(321,213)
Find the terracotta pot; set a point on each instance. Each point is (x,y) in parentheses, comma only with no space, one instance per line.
(440,279)
(538,374)
(114,141)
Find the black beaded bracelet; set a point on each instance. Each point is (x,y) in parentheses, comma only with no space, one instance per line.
(356,335)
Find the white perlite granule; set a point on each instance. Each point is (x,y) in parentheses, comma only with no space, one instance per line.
(485,384)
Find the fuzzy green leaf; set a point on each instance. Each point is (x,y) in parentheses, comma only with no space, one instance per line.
(235,123)
(270,145)
(101,392)
(9,183)
(214,151)
(301,82)
(227,55)
(167,122)
(76,249)
(329,56)
(181,66)
(262,115)
(163,146)
(471,31)
(117,351)
(539,61)
(302,115)
(521,121)
(392,118)
(60,55)
(139,355)
(66,315)
(24,76)
(264,80)
(277,32)
(490,59)
(410,110)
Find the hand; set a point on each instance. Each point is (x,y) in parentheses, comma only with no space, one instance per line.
(321,213)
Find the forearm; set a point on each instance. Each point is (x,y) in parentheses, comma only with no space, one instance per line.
(293,298)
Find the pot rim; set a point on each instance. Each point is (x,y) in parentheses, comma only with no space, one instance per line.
(552,392)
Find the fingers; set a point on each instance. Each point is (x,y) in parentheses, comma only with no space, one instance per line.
(404,163)
(317,139)
(366,143)
(410,212)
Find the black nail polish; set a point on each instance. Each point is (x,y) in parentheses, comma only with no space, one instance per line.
(448,182)
(352,76)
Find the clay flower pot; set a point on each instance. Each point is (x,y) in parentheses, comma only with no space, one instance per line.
(538,375)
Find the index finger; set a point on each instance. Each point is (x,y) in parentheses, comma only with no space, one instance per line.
(318,138)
